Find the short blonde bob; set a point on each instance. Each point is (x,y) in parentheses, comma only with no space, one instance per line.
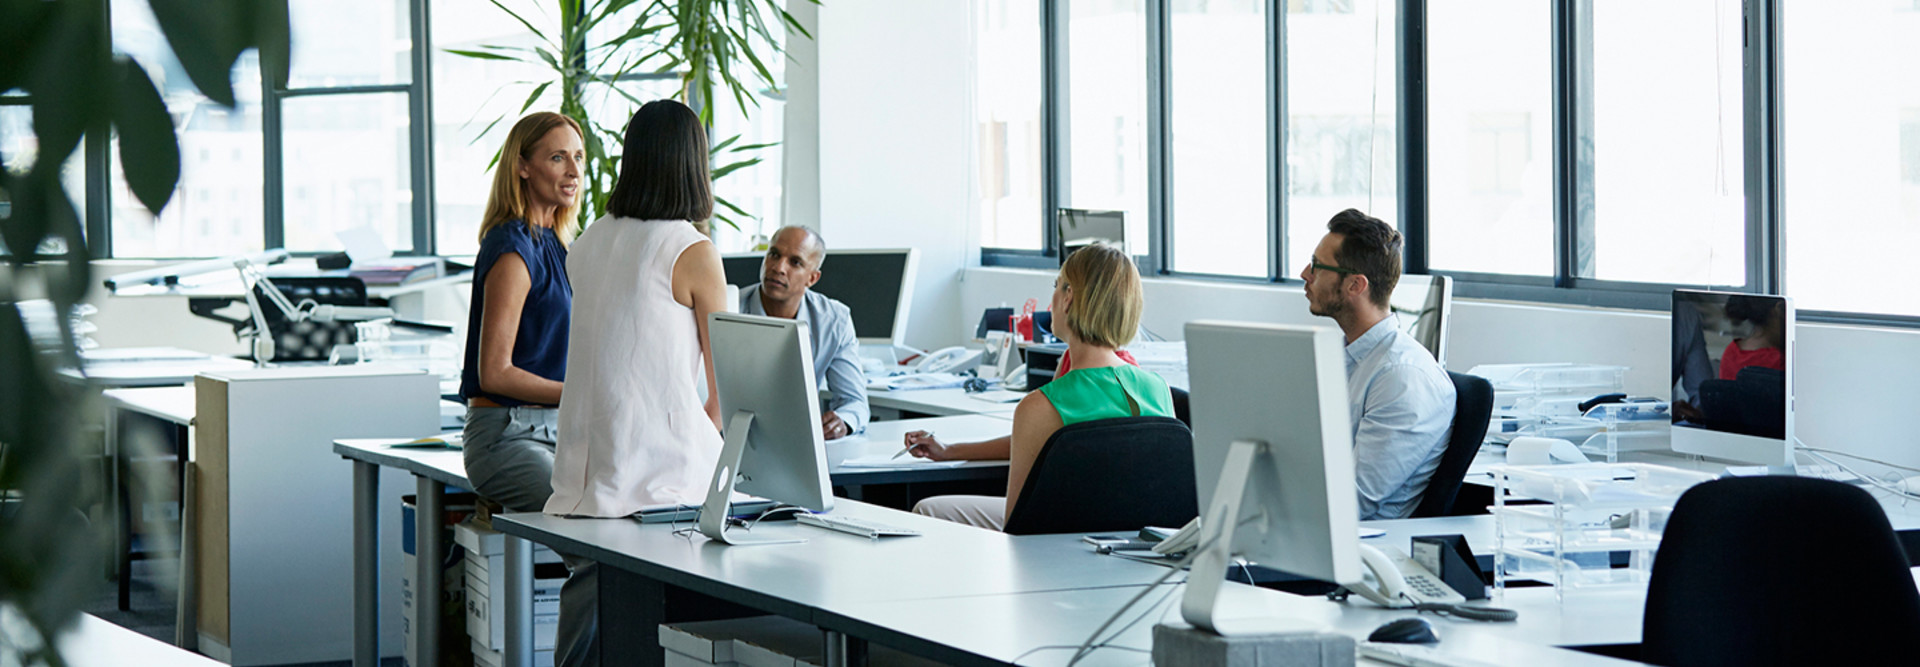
(507,200)
(1107,301)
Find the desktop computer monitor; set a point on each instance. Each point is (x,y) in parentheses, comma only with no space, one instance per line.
(1273,460)
(1425,304)
(1733,376)
(763,371)
(1079,228)
(876,284)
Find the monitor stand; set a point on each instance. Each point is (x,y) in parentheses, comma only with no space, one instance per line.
(1204,605)
(713,513)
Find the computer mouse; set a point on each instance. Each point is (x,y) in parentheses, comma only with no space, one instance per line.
(1409,630)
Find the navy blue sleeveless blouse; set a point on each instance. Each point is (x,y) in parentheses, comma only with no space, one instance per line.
(540,347)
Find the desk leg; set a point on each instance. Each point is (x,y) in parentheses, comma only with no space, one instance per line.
(430,551)
(366,564)
(121,506)
(519,603)
(844,651)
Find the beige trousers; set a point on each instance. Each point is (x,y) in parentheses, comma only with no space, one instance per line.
(989,512)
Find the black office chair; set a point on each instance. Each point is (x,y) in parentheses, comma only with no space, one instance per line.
(1180,409)
(1109,475)
(1759,571)
(1472,407)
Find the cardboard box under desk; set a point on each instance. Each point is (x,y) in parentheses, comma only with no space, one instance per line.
(485,580)
(762,641)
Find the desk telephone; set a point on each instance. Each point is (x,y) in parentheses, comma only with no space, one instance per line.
(947,360)
(1393,581)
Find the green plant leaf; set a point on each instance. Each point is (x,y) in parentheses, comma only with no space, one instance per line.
(483,55)
(537,90)
(145,131)
(206,35)
(723,171)
(523,21)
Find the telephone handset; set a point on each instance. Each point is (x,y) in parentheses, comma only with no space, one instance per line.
(1396,581)
(947,360)
(1185,540)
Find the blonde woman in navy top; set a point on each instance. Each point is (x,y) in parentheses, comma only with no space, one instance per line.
(516,353)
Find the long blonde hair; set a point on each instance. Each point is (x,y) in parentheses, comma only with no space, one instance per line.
(507,200)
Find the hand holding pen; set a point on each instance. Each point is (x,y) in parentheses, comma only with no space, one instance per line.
(923,445)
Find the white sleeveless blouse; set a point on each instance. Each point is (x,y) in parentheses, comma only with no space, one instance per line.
(632,428)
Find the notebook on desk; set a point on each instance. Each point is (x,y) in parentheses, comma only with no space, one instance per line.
(742,506)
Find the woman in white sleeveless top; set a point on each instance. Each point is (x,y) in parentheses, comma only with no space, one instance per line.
(633,430)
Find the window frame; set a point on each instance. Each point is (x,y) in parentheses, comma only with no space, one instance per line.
(1573,231)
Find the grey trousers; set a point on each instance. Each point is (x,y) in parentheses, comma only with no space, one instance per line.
(509,458)
(989,512)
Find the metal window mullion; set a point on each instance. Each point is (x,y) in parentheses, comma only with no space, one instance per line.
(1054,160)
(273,155)
(97,163)
(1761,102)
(420,129)
(1159,139)
(1276,140)
(1411,29)
(1566,161)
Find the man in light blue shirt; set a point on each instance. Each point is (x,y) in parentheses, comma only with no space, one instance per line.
(1402,400)
(791,267)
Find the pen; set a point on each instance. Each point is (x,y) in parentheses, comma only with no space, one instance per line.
(909,447)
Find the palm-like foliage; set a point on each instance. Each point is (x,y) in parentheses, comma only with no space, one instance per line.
(55,53)
(709,44)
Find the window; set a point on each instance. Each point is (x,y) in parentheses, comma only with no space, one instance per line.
(1665,145)
(1219,131)
(346,166)
(226,142)
(339,43)
(1105,151)
(1006,114)
(1489,137)
(1851,125)
(1341,130)
(468,95)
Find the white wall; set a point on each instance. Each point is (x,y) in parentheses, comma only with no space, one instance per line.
(894,147)
(1853,385)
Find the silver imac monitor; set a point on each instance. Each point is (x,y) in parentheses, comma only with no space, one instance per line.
(1425,306)
(1733,376)
(1079,228)
(875,283)
(1273,460)
(763,369)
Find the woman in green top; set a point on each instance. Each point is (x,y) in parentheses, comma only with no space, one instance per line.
(1096,304)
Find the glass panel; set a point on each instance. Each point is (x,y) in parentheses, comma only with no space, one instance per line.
(1006,121)
(1665,144)
(219,206)
(1341,131)
(347,166)
(468,96)
(1852,145)
(1490,136)
(350,43)
(1106,156)
(1219,125)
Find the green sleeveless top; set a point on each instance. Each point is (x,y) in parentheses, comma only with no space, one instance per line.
(1087,394)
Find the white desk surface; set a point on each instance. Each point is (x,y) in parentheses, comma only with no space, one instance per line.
(888,437)
(173,403)
(92,642)
(1006,628)
(939,402)
(154,372)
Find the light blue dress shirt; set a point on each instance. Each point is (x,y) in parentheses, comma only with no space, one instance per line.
(1402,404)
(836,352)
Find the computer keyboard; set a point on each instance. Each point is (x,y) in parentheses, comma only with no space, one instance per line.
(1415,655)
(854,526)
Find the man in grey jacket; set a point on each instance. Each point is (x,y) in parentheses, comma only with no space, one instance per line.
(791,267)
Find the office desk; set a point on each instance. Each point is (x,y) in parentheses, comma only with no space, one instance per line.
(152,367)
(128,411)
(1026,628)
(995,598)
(435,468)
(91,642)
(888,437)
(937,403)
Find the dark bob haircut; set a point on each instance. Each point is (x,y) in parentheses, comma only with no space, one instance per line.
(663,167)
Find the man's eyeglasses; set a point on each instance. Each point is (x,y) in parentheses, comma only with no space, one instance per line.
(1336,269)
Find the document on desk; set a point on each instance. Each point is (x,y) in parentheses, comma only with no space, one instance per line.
(917,381)
(887,461)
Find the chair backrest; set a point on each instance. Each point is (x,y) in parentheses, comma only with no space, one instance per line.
(1472,407)
(1181,409)
(1779,571)
(1109,475)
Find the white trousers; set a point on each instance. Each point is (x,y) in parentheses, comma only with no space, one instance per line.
(989,512)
